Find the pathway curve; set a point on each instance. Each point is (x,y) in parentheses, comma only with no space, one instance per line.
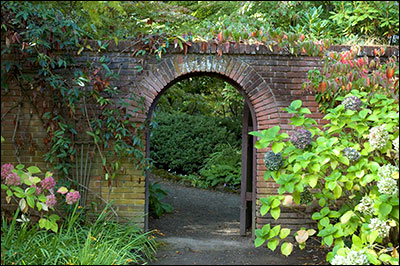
(204,229)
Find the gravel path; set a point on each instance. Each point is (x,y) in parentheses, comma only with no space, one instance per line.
(204,229)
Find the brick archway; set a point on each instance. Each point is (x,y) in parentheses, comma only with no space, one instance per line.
(248,82)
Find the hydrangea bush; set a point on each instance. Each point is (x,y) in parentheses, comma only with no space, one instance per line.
(30,192)
(350,168)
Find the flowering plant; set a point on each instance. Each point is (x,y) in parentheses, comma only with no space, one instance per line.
(33,193)
(350,170)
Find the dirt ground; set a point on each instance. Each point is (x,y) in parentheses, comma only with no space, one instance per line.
(204,230)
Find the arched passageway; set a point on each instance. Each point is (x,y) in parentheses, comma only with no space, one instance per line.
(248,159)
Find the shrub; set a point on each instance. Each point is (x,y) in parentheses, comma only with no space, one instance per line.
(223,167)
(181,142)
(352,170)
(156,194)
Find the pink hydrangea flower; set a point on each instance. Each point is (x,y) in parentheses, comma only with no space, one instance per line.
(48,183)
(6,169)
(12,179)
(38,190)
(72,197)
(51,200)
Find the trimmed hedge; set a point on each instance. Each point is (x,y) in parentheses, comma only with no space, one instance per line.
(181,142)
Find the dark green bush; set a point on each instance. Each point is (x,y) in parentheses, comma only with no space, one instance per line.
(181,142)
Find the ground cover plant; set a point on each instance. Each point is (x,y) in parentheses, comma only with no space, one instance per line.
(350,167)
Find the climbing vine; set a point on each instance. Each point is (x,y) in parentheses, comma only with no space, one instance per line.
(44,40)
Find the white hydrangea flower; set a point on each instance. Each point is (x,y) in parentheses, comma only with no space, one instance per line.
(339,260)
(352,258)
(381,226)
(366,205)
(396,146)
(388,186)
(357,258)
(378,137)
(387,170)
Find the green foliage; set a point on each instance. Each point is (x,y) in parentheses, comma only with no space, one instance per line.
(203,95)
(156,194)
(358,199)
(223,167)
(103,242)
(181,142)
(36,33)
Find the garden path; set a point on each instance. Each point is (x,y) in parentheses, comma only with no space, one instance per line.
(204,230)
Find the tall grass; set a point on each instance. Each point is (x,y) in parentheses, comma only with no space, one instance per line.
(103,242)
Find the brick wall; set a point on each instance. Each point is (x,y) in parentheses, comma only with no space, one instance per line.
(269,81)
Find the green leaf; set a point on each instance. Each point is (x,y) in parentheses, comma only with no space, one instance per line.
(372,236)
(33,169)
(324,222)
(304,111)
(328,240)
(346,217)
(284,233)
(264,209)
(35,180)
(19,166)
(275,203)
(325,211)
(31,202)
(259,241)
(337,191)
(313,180)
(357,241)
(273,243)
(372,257)
(274,231)
(277,147)
(385,257)
(276,212)
(385,209)
(316,216)
(42,198)
(286,248)
(296,104)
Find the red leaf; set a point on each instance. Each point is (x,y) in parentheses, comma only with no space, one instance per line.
(389,73)
(220,36)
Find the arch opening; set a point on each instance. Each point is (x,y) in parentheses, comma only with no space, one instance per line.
(248,156)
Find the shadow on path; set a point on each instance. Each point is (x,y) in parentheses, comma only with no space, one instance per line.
(204,229)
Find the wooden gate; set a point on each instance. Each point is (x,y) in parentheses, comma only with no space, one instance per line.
(247,195)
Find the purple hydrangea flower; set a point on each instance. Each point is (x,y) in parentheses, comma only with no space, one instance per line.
(6,169)
(301,138)
(38,190)
(12,179)
(51,200)
(48,183)
(352,154)
(273,161)
(72,197)
(352,103)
